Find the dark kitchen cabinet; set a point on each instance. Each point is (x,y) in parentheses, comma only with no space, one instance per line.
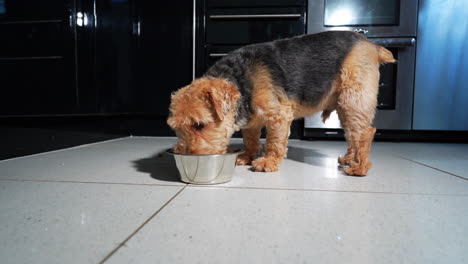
(36,86)
(32,10)
(89,57)
(27,39)
(141,52)
(37,58)
(164,53)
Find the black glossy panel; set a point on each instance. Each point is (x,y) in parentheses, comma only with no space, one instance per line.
(2,7)
(388,84)
(27,10)
(138,54)
(32,39)
(213,53)
(86,70)
(253,3)
(252,30)
(114,53)
(164,57)
(35,87)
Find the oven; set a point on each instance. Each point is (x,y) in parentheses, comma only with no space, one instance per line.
(226,25)
(389,23)
(373,18)
(230,24)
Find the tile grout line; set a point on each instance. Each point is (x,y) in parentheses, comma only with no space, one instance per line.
(85,182)
(434,168)
(65,149)
(140,227)
(315,190)
(233,187)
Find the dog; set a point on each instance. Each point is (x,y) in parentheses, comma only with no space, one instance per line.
(271,84)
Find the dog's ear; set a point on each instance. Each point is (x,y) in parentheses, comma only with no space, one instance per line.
(216,101)
(178,108)
(223,97)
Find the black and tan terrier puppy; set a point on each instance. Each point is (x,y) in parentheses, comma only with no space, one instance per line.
(271,84)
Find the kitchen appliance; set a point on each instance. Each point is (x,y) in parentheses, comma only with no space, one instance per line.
(440,93)
(389,23)
(230,24)
(226,25)
(374,18)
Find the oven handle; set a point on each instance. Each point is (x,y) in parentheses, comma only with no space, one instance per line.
(217,54)
(394,42)
(255,16)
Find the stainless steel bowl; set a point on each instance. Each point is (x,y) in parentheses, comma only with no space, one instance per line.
(206,169)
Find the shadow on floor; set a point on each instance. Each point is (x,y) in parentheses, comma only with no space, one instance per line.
(314,157)
(304,155)
(160,166)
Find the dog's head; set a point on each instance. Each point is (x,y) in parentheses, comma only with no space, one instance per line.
(202,114)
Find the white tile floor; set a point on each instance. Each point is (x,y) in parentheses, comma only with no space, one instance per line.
(120,202)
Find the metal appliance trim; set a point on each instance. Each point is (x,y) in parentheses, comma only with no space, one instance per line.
(407,26)
(194,29)
(255,16)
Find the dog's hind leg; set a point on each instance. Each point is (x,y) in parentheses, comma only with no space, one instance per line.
(348,157)
(252,145)
(359,134)
(363,154)
(357,101)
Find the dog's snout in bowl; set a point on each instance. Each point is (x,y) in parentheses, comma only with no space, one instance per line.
(206,169)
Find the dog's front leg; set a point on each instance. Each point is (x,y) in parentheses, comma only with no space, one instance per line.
(276,144)
(251,144)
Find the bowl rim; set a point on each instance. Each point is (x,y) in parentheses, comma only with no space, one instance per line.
(235,151)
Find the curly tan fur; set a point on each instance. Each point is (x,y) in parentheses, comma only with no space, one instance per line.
(203,113)
(357,101)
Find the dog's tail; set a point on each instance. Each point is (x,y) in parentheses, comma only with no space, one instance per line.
(326,114)
(385,56)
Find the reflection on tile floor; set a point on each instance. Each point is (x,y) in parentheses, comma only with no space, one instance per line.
(120,201)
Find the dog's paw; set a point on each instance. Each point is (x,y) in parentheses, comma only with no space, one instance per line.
(355,169)
(243,160)
(343,160)
(268,164)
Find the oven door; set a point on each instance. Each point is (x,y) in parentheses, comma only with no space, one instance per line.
(396,85)
(242,26)
(374,18)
